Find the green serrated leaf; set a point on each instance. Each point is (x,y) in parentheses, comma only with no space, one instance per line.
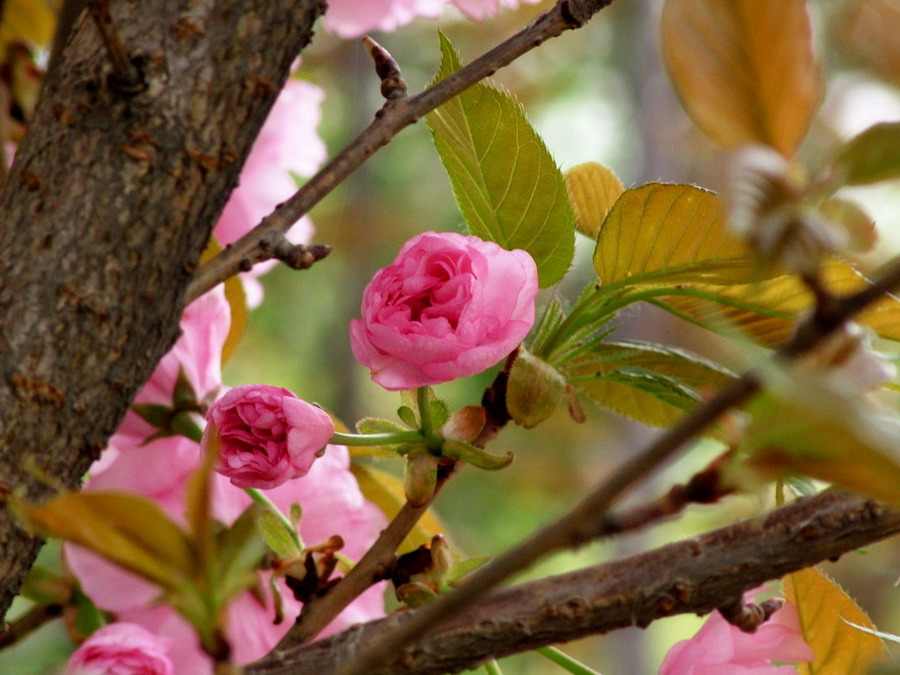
(276,536)
(440,412)
(659,233)
(477,457)
(408,416)
(88,617)
(870,157)
(507,185)
(239,552)
(378,425)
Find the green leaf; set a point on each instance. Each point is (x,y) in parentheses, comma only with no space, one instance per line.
(239,553)
(653,399)
(507,185)
(43,586)
(824,610)
(593,189)
(408,415)
(662,233)
(745,70)
(88,617)
(466,452)
(766,311)
(276,535)
(802,423)
(870,157)
(462,569)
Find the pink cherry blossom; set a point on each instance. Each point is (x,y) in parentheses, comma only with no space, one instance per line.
(287,143)
(266,435)
(720,648)
(448,306)
(122,649)
(352,18)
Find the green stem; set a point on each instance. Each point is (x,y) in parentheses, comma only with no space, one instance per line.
(562,659)
(387,438)
(424,411)
(492,668)
(262,500)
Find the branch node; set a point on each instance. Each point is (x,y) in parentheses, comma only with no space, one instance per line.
(392,84)
(298,256)
(748,616)
(126,77)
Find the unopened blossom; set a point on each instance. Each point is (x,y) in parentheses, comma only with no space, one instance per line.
(720,648)
(122,649)
(449,306)
(266,435)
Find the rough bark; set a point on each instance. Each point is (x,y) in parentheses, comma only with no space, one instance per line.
(105,213)
(692,576)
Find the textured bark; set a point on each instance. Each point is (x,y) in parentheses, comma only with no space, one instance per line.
(692,576)
(105,213)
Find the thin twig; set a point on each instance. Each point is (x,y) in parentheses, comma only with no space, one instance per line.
(127,78)
(29,622)
(371,568)
(586,520)
(696,576)
(256,245)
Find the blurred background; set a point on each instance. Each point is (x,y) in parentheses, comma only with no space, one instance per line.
(597,94)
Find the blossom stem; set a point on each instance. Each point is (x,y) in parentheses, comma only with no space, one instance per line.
(562,659)
(387,438)
(492,668)
(424,411)
(264,501)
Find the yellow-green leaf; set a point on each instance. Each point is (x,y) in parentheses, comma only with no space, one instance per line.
(661,233)
(744,69)
(593,189)
(31,20)
(386,492)
(507,185)
(128,530)
(766,311)
(872,156)
(824,609)
(237,303)
(803,424)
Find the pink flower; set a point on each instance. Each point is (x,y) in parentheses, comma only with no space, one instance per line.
(266,435)
(287,143)
(449,306)
(122,649)
(720,648)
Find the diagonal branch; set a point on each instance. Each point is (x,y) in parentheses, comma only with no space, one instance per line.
(256,245)
(692,576)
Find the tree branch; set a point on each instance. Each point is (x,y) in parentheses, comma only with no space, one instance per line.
(398,113)
(692,576)
(105,213)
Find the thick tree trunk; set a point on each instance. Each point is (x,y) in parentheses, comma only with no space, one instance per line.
(104,215)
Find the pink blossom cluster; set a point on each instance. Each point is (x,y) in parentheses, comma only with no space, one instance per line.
(351,18)
(328,494)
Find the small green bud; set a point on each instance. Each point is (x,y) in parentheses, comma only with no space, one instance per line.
(534,390)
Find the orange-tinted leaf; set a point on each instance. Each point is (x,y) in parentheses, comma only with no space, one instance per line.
(824,610)
(744,69)
(237,303)
(593,189)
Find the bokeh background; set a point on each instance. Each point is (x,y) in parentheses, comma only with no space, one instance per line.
(597,94)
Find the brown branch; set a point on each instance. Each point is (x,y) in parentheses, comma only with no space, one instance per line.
(371,568)
(692,576)
(396,114)
(126,76)
(586,520)
(29,622)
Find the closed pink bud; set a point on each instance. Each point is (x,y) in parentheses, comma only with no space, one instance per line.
(449,306)
(121,648)
(266,435)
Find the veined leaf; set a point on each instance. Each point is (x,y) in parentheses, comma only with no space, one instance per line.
(128,530)
(652,399)
(663,233)
(744,70)
(824,610)
(682,366)
(593,189)
(386,492)
(872,156)
(507,185)
(766,311)
(803,424)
